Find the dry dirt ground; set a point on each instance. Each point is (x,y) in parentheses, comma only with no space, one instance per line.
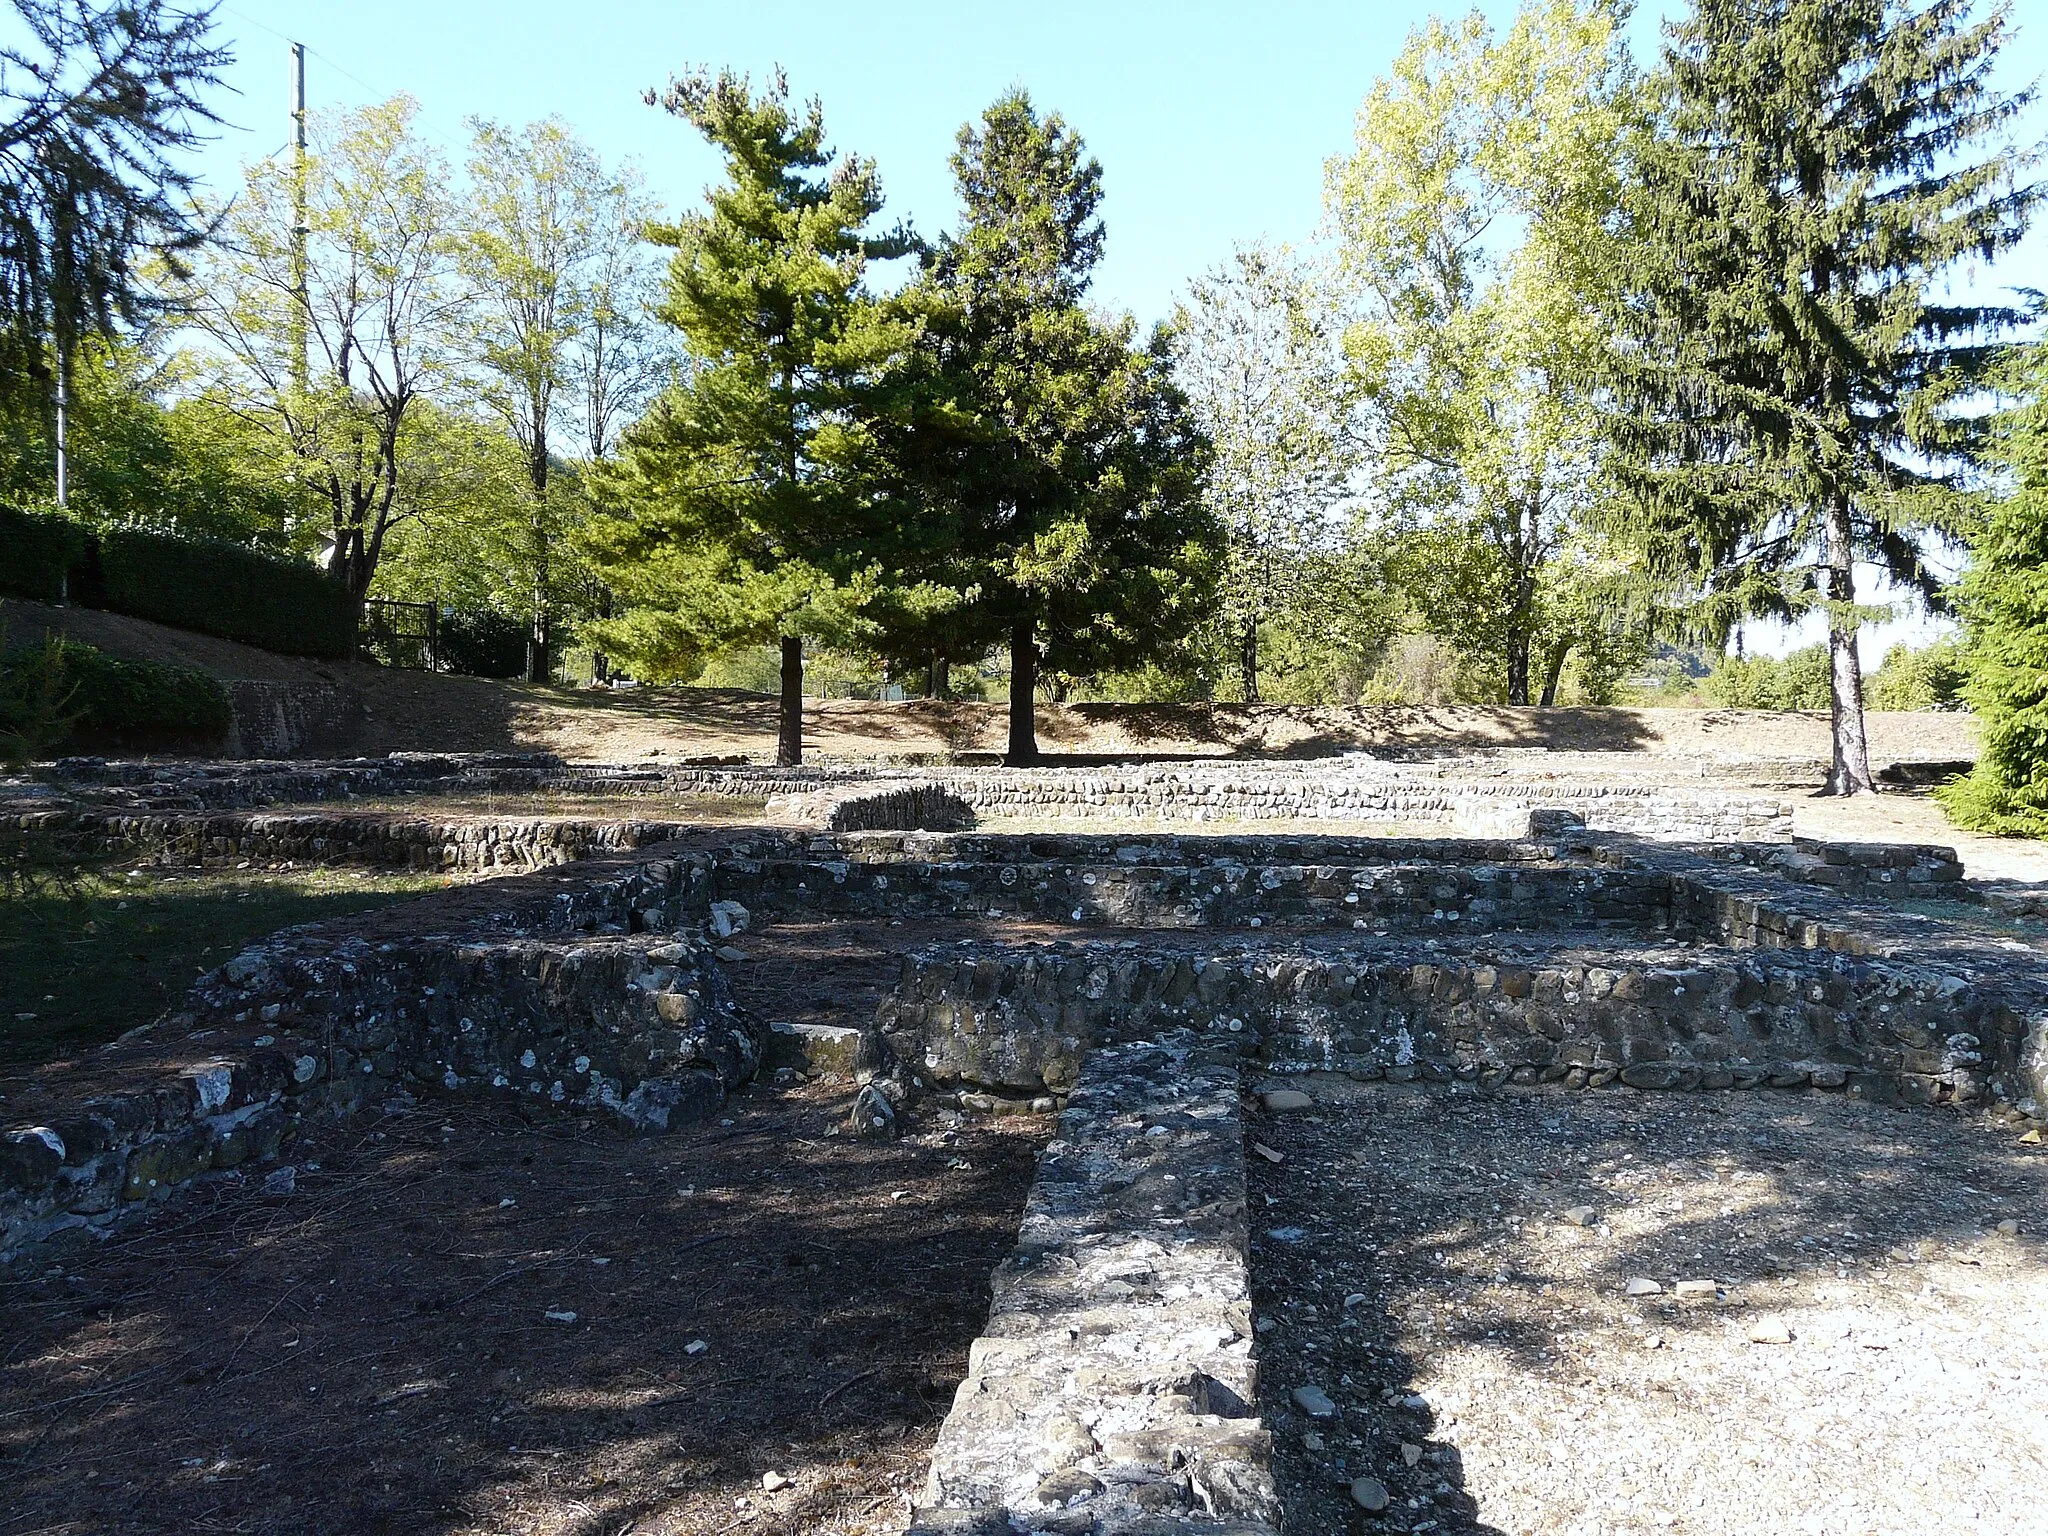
(1834,1334)
(413,711)
(371,1349)
(455,1321)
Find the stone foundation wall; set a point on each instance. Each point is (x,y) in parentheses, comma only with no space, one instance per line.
(580,998)
(291,719)
(1021,1020)
(240,785)
(468,846)
(1223,893)
(1114,1390)
(1450,794)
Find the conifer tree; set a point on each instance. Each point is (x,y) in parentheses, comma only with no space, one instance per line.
(748,504)
(1790,362)
(1057,455)
(2005,605)
(98,102)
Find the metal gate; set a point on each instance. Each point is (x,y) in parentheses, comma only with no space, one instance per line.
(401,634)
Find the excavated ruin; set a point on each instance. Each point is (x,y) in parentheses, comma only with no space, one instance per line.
(1123,948)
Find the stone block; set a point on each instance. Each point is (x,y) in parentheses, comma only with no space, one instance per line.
(830,1050)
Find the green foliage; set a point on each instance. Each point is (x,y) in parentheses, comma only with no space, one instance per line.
(36,711)
(1791,361)
(1257,348)
(223,589)
(745,505)
(37,553)
(329,367)
(1477,216)
(1056,460)
(98,105)
(1931,677)
(56,690)
(2005,609)
(482,643)
(187,466)
(1798,681)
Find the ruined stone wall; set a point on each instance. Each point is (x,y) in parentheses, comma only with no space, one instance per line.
(239,785)
(1020,1020)
(467,846)
(291,719)
(1115,1380)
(581,998)
(1223,892)
(1449,794)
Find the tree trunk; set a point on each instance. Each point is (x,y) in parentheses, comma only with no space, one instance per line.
(1518,670)
(1849,774)
(1023,697)
(1248,660)
(938,683)
(540,637)
(789,734)
(1553,672)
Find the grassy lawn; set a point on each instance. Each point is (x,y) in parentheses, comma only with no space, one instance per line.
(79,965)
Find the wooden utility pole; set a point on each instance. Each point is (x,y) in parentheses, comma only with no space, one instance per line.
(300,300)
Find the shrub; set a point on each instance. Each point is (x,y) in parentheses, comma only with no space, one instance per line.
(2005,606)
(483,643)
(56,690)
(35,702)
(37,552)
(1798,681)
(1929,678)
(223,589)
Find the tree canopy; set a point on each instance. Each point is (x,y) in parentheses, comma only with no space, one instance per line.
(1056,456)
(1796,384)
(97,104)
(746,506)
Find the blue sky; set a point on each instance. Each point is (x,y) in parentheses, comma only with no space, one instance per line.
(1212,121)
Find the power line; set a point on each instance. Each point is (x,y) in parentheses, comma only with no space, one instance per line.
(350,74)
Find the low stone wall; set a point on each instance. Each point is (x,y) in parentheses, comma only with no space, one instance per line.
(240,785)
(1889,870)
(1450,794)
(579,997)
(1021,1020)
(920,807)
(1114,1390)
(1220,893)
(1368,792)
(468,846)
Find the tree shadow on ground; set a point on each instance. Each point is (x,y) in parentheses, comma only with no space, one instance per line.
(389,1347)
(1482,1315)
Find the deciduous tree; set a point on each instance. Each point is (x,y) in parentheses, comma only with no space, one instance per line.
(1474,216)
(379,314)
(1257,346)
(547,250)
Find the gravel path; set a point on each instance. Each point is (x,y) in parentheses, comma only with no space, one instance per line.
(1848,1331)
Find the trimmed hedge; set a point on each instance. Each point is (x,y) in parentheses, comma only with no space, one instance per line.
(37,552)
(223,589)
(116,703)
(481,643)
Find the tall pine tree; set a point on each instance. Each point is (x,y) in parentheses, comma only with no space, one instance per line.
(2005,605)
(747,504)
(1790,361)
(1057,453)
